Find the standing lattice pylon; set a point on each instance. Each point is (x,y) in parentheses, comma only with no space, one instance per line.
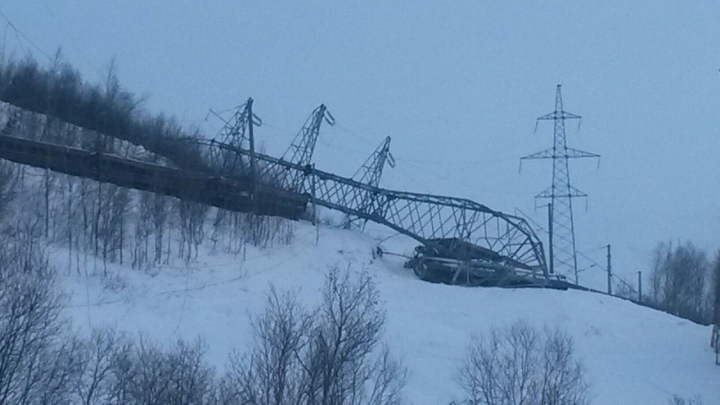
(563,257)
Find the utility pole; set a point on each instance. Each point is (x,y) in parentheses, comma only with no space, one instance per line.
(550,238)
(314,204)
(314,201)
(609,270)
(253,173)
(561,192)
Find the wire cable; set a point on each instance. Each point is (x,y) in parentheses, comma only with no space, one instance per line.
(351,133)
(20,33)
(101,73)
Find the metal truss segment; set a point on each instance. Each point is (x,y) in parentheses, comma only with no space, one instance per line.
(422,217)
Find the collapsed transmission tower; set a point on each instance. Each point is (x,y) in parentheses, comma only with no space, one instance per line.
(236,131)
(303,146)
(563,257)
(371,172)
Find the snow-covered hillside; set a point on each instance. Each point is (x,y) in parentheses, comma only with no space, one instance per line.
(633,355)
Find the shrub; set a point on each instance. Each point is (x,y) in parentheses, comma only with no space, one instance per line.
(519,365)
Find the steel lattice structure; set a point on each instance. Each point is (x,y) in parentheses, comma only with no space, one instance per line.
(563,257)
(256,181)
(423,217)
(303,146)
(371,171)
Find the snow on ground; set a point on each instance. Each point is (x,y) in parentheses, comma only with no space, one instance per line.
(633,355)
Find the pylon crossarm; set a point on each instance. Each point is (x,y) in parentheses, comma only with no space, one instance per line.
(546,154)
(559,115)
(573,193)
(570,153)
(576,153)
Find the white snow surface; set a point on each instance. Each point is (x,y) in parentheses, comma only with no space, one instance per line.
(632,354)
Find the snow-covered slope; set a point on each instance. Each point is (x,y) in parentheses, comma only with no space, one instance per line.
(633,355)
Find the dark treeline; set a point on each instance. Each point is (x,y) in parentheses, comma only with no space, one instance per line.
(684,280)
(59,91)
(53,104)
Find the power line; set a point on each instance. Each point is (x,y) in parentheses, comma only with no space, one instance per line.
(330,145)
(20,33)
(591,260)
(79,50)
(279,130)
(632,289)
(351,133)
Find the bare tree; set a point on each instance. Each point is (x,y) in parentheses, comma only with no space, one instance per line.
(151,373)
(521,366)
(99,355)
(160,218)
(339,361)
(386,379)
(38,359)
(563,376)
(329,356)
(235,230)
(8,181)
(192,228)
(143,209)
(229,226)
(112,204)
(192,382)
(271,373)
(58,371)
(678,281)
(715,338)
(146,373)
(70,210)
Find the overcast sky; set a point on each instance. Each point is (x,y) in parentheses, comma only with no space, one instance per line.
(457,85)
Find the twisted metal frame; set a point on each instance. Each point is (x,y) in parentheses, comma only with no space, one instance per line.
(423,217)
